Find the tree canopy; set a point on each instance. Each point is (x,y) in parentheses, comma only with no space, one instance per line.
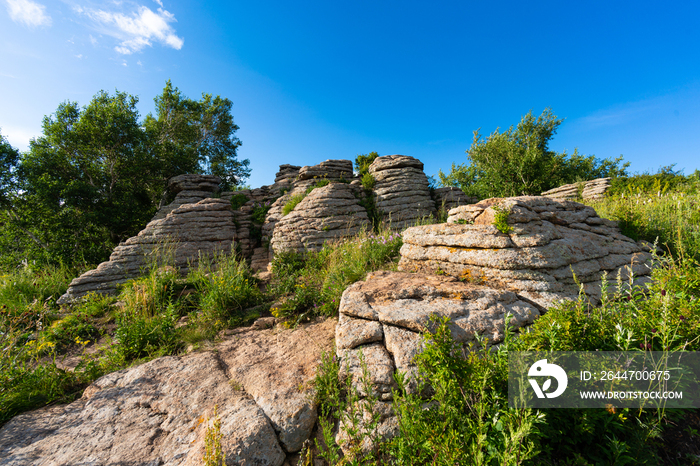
(96,174)
(518,161)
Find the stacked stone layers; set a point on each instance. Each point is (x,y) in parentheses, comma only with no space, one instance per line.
(327,213)
(185,234)
(329,169)
(383,318)
(550,241)
(187,189)
(401,191)
(594,189)
(449,197)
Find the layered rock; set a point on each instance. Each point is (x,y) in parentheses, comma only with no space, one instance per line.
(327,213)
(450,197)
(330,169)
(549,241)
(401,190)
(180,238)
(594,189)
(187,189)
(156,413)
(383,317)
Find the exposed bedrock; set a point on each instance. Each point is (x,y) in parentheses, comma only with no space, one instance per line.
(187,189)
(382,319)
(183,235)
(156,413)
(593,189)
(328,213)
(401,191)
(549,242)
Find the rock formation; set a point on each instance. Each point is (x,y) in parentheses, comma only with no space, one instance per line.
(594,189)
(327,213)
(549,241)
(183,235)
(187,189)
(156,413)
(401,191)
(449,197)
(382,318)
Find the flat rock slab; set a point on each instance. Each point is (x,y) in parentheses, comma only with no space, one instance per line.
(156,413)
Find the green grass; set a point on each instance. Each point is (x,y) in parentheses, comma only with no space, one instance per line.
(464,420)
(311,284)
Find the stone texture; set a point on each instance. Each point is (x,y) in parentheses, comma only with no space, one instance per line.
(186,233)
(151,414)
(382,319)
(276,368)
(155,413)
(401,191)
(594,189)
(550,241)
(329,169)
(187,189)
(328,213)
(449,197)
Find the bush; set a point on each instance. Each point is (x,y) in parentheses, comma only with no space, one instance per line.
(238,200)
(363,161)
(518,162)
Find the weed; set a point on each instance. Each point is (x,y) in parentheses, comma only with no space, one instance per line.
(213,451)
(500,219)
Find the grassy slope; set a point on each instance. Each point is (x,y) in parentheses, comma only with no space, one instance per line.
(476,424)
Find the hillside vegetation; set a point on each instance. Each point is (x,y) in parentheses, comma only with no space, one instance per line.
(49,354)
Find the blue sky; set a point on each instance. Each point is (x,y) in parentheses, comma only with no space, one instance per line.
(318,80)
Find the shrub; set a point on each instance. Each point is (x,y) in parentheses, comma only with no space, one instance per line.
(518,162)
(363,161)
(368,181)
(238,200)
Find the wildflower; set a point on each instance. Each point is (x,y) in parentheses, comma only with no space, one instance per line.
(682,317)
(653,330)
(663,292)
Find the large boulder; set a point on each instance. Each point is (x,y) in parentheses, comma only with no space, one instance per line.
(185,234)
(550,241)
(401,191)
(382,320)
(327,213)
(156,413)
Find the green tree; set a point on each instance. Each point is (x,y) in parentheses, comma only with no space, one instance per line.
(88,182)
(95,176)
(195,136)
(518,161)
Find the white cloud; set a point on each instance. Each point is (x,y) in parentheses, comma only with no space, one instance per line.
(28,13)
(138,30)
(93,41)
(80,55)
(159,3)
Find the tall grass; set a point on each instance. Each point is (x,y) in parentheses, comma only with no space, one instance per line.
(312,283)
(672,217)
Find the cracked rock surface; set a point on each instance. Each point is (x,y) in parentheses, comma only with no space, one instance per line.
(549,242)
(156,413)
(382,319)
